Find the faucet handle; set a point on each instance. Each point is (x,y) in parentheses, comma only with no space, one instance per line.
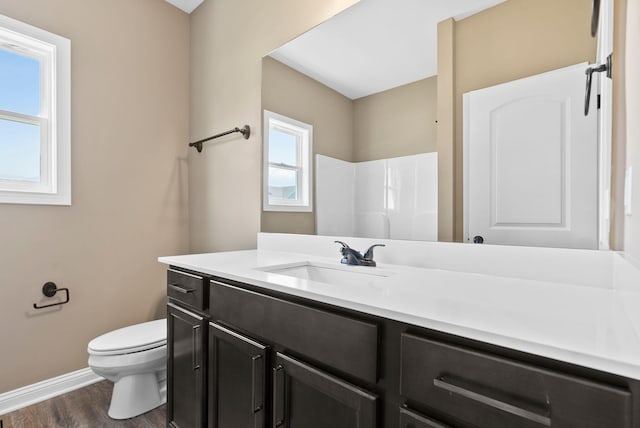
(368,255)
(342,243)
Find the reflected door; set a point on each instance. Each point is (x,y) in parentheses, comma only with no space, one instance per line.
(531,162)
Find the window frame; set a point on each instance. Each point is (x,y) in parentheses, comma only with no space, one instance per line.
(54,54)
(304,168)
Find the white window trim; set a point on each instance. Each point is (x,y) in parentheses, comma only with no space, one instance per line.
(306,174)
(55,188)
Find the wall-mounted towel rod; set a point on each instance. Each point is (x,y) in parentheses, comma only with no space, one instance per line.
(245,131)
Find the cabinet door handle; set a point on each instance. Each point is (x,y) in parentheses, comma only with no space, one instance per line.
(257,379)
(195,334)
(448,385)
(176,287)
(278,396)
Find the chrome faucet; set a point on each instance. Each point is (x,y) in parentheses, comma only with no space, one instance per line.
(353,257)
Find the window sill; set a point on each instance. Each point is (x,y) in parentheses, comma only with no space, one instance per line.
(287,208)
(24,198)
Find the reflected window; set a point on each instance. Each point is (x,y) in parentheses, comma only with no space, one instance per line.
(287,163)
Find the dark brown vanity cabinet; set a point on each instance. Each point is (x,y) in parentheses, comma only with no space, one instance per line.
(244,357)
(186,350)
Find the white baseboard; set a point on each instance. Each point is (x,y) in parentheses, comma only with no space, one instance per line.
(37,392)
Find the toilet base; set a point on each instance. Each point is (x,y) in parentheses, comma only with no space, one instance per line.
(134,395)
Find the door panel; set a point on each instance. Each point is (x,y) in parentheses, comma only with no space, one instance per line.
(237,383)
(531,162)
(527,178)
(186,364)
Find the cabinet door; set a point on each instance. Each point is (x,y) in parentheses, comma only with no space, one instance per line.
(305,397)
(237,370)
(186,365)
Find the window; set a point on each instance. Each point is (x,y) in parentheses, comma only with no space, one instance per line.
(34,115)
(287,164)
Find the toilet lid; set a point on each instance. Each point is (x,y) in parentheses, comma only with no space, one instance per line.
(135,338)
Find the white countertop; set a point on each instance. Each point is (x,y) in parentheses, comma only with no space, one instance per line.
(591,326)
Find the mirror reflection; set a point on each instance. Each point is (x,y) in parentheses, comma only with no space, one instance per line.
(385,86)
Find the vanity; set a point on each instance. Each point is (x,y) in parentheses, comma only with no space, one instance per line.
(270,338)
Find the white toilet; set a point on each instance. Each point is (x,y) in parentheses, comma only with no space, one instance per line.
(134,358)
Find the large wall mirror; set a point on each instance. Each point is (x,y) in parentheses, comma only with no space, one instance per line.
(414,103)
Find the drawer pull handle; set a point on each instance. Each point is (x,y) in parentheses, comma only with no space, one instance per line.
(447,385)
(182,290)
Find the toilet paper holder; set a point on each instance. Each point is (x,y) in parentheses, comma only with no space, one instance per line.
(49,289)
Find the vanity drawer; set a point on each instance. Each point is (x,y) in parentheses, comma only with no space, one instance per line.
(186,288)
(489,391)
(346,344)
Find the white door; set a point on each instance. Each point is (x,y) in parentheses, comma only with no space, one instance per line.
(531,162)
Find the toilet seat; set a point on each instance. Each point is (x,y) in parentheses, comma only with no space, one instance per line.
(135,338)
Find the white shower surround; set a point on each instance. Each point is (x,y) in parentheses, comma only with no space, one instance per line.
(395,198)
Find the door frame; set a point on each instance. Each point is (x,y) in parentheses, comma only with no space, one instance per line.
(605,125)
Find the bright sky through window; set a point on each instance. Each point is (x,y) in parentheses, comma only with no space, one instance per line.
(19,93)
(19,83)
(282,150)
(282,147)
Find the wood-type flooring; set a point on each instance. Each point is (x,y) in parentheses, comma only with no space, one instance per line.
(83,408)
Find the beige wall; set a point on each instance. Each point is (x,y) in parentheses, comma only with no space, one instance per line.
(129,132)
(632,80)
(515,39)
(229,39)
(288,92)
(397,122)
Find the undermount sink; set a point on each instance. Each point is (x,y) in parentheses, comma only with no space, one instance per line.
(330,274)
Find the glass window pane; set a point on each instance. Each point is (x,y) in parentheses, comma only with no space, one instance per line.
(19,83)
(19,151)
(283,147)
(283,183)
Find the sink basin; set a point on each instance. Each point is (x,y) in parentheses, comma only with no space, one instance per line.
(330,274)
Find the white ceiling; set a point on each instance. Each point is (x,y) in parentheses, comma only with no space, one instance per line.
(375,45)
(186,5)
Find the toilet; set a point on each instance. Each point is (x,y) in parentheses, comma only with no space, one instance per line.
(134,358)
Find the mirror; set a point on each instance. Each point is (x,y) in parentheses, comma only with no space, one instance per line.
(407,84)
